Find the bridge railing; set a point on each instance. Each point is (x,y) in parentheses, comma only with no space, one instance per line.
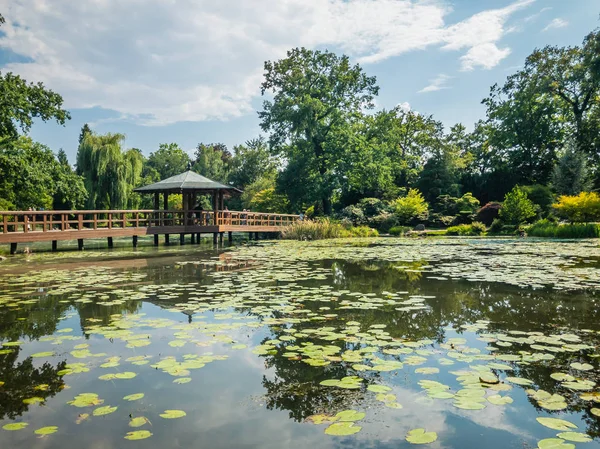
(62,220)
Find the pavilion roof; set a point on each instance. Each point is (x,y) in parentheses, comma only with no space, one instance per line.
(188,181)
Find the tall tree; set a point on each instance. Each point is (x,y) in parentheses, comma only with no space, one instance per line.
(314,93)
(251,162)
(85,129)
(109,173)
(212,161)
(571,174)
(169,160)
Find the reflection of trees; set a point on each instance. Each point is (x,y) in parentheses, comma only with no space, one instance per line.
(21,380)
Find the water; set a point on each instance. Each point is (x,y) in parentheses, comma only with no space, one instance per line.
(237,327)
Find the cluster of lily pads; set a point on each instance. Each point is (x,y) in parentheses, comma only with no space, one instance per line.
(311,327)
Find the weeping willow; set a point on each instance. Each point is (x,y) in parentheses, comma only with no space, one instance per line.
(109,173)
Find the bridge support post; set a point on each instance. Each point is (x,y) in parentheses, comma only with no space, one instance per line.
(166,239)
(193,238)
(230,236)
(54,245)
(197,238)
(249,236)
(256,236)
(221,237)
(13,248)
(155,239)
(110,242)
(80,244)
(182,239)
(135,241)
(215,237)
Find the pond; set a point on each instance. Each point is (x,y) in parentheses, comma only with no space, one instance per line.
(375,343)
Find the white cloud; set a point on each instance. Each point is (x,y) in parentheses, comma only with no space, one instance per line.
(556,24)
(536,15)
(404,106)
(165,61)
(440,82)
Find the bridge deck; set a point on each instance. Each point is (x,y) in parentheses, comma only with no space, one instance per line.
(37,226)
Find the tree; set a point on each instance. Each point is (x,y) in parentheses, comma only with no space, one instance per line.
(109,173)
(268,200)
(212,161)
(251,162)
(410,207)
(581,208)
(517,208)
(85,129)
(314,94)
(169,160)
(570,174)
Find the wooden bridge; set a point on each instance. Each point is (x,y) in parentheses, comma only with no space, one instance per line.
(39,226)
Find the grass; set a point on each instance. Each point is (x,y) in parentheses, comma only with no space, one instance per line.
(467,229)
(545,228)
(324,229)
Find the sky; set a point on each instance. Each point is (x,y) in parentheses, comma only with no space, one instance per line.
(189,71)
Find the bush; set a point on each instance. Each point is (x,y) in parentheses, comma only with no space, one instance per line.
(360,231)
(383,222)
(353,214)
(541,196)
(400,230)
(310,212)
(373,206)
(488,213)
(411,208)
(465,229)
(324,229)
(581,208)
(546,228)
(517,208)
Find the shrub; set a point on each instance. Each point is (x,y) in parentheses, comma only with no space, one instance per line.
(399,230)
(517,208)
(372,206)
(383,222)
(465,229)
(360,231)
(488,213)
(268,200)
(410,208)
(546,228)
(324,229)
(581,208)
(354,214)
(310,212)
(496,227)
(541,196)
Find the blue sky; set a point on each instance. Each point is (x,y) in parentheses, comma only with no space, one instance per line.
(189,71)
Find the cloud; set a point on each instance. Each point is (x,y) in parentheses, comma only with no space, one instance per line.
(536,15)
(438,83)
(556,24)
(404,106)
(158,62)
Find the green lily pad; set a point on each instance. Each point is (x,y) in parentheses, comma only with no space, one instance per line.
(350,416)
(34,400)
(15,426)
(138,435)
(46,430)
(42,354)
(427,370)
(182,380)
(125,375)
(378,388)
(519,381)
(101,411)
(576,437)
(138,421)
(554,443)
(556,424)
(499,400)
(321,419)
(134,397)
(582,366)
(342,429)
(595,411)
(420,436)
(173,414)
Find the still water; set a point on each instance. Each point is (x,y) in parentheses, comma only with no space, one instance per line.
(292,345)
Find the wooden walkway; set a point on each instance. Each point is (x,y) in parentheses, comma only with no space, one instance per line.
(39,226)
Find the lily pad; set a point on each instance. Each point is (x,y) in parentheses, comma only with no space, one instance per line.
(134,397)
(46,430)
(15,426)
(576,437)
(321,419)
(554,443)
(378,388)
(342,429)
(499,400)
(138,421)
(138,435)
(101,411)
(582,366)
(173,414)
(556,424)
(350,416)
(420,436)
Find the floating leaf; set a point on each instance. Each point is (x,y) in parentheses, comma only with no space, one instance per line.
(134,397)
(101,411)
(138,435)
(499,400)
(15,426)
(342,429)
(519,381)
(561,377)
(138,421)
(321,419)
(34,400)
(595,411)
(46,430)
(42,354)
(427,370)
(556,424)
(82,417)
(125,375)
(349,416)
(420,436)
(378,388)
(173,414)
(582,366)
(554,443)
(182,380)
(576,437)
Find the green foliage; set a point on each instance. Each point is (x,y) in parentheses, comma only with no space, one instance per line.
(467,229)
(399,230)
(259,185)
(411,207)
(581,208)
(516,208)
(324,229)
(32,176)
(109,173)
(570,175)
(23,102)
(268,200)
(212,161)
(541,196)
(314,95)
(169,160)
(251,162)
(546,228)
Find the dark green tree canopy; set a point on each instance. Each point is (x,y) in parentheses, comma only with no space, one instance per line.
(169,160)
